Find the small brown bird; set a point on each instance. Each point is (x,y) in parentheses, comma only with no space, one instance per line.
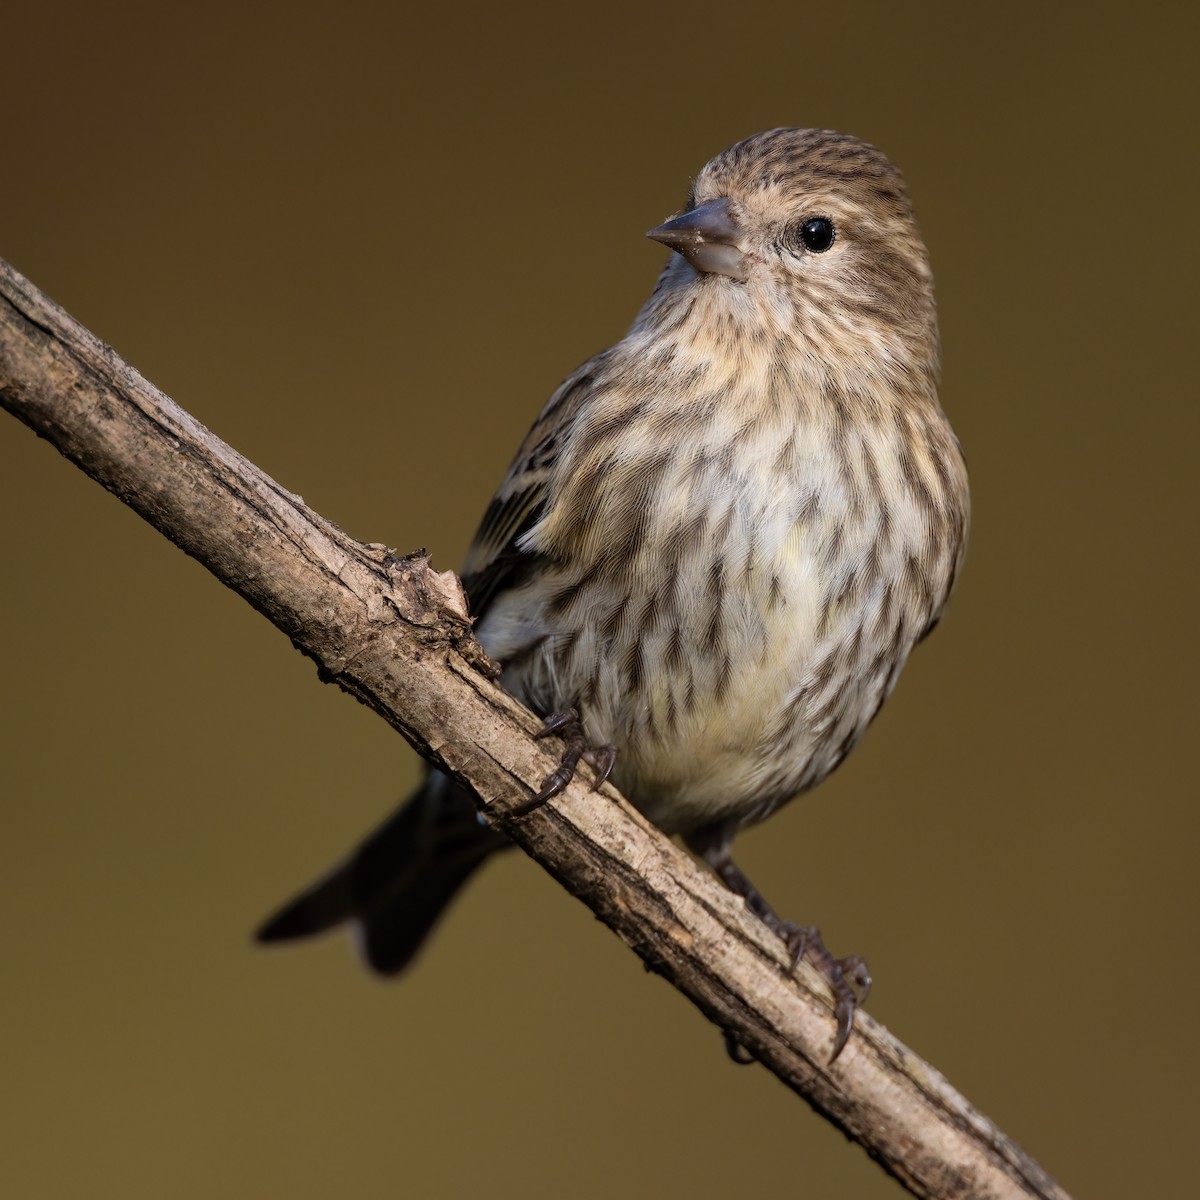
(720,540)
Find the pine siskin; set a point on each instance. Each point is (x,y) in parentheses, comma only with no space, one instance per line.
(719,542)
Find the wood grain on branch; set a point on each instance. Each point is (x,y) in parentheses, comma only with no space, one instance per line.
(396,635)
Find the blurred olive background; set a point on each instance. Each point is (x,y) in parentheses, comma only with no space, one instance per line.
(364,248)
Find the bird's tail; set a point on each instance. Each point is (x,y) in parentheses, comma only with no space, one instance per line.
(396,885)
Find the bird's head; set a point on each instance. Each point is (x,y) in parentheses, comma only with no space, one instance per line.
(806,234)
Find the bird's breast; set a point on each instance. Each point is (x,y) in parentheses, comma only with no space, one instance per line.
(729,606)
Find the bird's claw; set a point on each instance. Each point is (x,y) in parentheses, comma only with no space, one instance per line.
(848,978)
(854,968)
(737,1052)
(558,721)
(842,974)
(601,758)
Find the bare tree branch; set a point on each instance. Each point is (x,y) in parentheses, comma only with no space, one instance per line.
(396,635)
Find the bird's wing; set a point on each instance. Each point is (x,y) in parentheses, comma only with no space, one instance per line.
(496,560)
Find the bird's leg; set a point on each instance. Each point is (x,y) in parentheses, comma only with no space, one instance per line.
(567,724)
(713,845)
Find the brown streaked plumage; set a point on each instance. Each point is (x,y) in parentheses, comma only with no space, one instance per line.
(722,536)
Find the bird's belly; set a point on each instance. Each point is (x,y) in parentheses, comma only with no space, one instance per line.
(753,720)
(743,632)
(730,692)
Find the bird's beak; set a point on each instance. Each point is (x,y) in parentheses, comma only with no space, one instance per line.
(709,237)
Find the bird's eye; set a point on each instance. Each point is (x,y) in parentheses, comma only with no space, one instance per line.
(817,234)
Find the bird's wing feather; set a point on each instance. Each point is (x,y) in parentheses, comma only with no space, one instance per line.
(496,559)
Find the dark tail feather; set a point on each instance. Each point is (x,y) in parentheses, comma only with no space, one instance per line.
(399,881)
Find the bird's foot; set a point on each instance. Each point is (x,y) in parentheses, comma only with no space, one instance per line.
(848,978)
(575,747)
(738,1053)
(844,975)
